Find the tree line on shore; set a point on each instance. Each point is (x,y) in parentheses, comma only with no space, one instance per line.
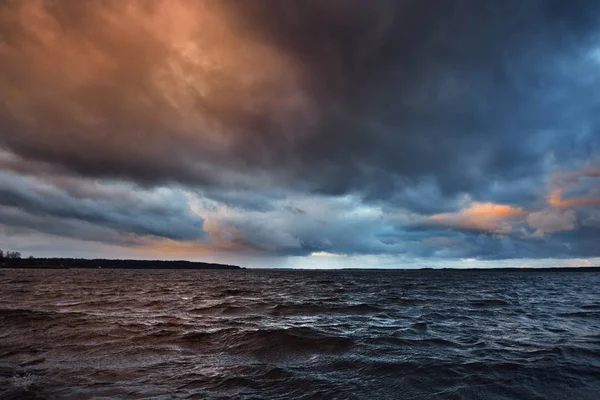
(9,255)
(13,259)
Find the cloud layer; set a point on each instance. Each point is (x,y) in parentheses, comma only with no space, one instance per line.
(467,129)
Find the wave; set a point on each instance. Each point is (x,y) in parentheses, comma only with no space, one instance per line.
(21,314)
(420,342)
(323,308)
(581,314)
(489,303)
(276,342)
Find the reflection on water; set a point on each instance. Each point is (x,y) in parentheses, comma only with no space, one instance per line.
(77,334)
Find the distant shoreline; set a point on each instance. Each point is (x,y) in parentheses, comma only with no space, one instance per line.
(501,269)
(79,263)
(56,263)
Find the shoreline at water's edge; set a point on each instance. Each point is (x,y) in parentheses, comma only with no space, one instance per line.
(74,263)
(191,265)
(501,269)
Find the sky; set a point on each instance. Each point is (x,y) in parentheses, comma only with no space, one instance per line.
(307,134)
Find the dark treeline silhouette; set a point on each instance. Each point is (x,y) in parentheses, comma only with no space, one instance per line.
(52,263)
(10,255)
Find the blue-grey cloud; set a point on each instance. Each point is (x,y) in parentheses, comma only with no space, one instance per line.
(162,213)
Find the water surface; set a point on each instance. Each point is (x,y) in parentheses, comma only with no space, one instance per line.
(123,334)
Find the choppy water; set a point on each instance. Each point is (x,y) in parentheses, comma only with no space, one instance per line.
(117,334)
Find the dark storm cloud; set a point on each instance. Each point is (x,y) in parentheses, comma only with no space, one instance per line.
(385,91)
(17,222)
(431,129)
(159,213)
(466,92)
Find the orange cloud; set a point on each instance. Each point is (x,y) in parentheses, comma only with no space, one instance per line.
(162,247)
(564,181)
(556,199)
(86,83)
(487,217)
